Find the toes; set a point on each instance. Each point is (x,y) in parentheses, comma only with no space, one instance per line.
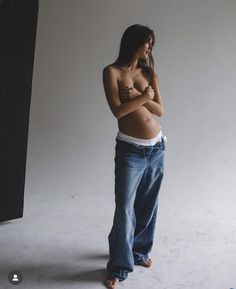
(111,283)
(148,262)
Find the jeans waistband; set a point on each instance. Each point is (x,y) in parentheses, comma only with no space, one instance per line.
(139,141)
(160,143)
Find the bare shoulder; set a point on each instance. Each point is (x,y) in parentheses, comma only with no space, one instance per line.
(111,68)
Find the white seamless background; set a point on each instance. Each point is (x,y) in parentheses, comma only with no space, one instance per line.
(72,130)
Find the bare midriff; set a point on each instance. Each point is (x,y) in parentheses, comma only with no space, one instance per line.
(140,123)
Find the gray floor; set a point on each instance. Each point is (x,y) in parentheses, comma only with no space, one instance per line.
(62,243)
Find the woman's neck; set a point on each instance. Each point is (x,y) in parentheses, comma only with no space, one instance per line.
(130,66)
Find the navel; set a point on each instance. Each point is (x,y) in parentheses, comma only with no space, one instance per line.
(147,120)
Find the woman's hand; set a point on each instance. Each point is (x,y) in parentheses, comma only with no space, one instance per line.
(149,92)
(128,93)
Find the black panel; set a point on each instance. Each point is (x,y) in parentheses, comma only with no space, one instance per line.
(18,23)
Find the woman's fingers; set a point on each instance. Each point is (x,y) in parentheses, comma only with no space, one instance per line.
(126,93)
(124,97)
(126,88)
(123,94)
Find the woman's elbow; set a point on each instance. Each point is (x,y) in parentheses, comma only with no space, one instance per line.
(161,112)
(117,114)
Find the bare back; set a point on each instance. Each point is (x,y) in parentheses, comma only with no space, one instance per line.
(140,123)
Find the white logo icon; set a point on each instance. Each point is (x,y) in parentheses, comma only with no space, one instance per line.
(15,278)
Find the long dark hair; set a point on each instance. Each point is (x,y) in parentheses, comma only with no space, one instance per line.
(132,39)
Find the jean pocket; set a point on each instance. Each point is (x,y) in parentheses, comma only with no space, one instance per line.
(126,148)
(127,155)
(157,160)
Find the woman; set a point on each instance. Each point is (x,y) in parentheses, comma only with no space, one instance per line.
(133,95)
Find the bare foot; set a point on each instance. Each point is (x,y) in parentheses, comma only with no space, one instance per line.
(147,263)
(111,282)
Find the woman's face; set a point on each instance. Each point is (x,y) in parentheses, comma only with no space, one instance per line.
(144,51)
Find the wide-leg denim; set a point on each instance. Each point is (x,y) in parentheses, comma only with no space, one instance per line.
(138,176)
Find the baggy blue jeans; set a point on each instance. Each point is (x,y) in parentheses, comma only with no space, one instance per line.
(138,176)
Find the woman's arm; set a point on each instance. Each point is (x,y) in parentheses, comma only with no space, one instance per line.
(119,109)
(155,106)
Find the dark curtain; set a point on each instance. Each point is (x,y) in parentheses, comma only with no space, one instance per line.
(18,23)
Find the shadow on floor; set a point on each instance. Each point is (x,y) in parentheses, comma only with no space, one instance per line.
(88,270)
(93,275)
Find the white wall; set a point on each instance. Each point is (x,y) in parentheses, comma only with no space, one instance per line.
(72,131)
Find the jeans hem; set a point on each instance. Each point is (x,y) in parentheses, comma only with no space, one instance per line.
(115,275)
(140,261)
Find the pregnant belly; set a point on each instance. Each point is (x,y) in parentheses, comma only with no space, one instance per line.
(141,123)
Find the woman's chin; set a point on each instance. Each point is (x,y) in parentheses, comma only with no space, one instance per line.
(145,57)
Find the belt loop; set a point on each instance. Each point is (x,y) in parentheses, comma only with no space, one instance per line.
(163,142)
